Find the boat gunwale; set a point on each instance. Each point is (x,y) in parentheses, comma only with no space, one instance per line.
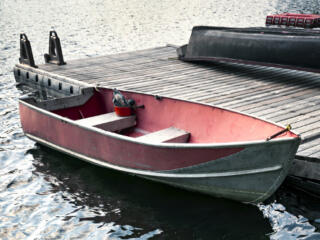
(240,144)
(164,174)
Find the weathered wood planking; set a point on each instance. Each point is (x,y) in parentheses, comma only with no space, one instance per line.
(280,95)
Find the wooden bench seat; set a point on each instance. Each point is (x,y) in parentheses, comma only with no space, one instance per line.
(171,134)
(109,122)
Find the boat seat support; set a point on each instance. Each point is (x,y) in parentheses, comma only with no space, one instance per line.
(168,135)
(109,122)
(55,55)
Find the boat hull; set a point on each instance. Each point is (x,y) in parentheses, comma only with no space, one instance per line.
(289,48)
(246,172)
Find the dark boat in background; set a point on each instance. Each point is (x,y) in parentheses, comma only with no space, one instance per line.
(277,47)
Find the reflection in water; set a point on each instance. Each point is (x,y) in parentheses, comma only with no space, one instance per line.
(293,214)
(138,207)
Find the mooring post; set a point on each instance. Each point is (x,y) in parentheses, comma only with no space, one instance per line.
(55,55)
(26,56)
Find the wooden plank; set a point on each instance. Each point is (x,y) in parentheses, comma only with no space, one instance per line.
(79,63)
(294,106)
(263,98)
(75,64)
(312,134)
(308,144)
(194,83)
(141,73)
(171,134)
(135,81)
(290,83)
(160,72)
(281,90)
(309,151)
(295,113)
(109,122)
(256,86)
(258,96)
(310,98)
(307,121)
(199,82)
(316,154)
(308,127)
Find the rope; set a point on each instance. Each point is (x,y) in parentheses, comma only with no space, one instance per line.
(288,128)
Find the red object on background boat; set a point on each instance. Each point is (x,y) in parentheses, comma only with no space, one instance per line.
(295,20)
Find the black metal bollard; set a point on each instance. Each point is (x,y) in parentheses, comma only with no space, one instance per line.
(55,55)
(26,56)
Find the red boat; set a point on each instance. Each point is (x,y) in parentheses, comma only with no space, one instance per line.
(194,146)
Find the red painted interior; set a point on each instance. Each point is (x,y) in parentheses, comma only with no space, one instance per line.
(95,106)
(206,124)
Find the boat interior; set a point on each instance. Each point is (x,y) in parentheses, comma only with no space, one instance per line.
(160,119)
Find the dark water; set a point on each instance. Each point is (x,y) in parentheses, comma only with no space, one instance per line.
(47,195)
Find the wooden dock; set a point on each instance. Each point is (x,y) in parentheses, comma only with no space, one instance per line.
(280,95)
